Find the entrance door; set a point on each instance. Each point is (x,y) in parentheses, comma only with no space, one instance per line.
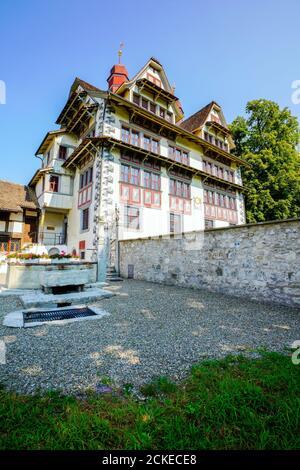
(30,230)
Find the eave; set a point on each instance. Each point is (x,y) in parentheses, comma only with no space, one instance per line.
(156,90)
(71,105)
(88,145)
(85,112)
(38,174)
(218,127)
(171,163)
(91,145)
(136,110)
(47,140)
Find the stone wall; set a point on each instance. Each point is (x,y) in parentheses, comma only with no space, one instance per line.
(258,261)
(34,275)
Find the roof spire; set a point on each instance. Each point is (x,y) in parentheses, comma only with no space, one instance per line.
(120,51)
(118,73)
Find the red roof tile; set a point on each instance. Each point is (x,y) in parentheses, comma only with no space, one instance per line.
(198,119)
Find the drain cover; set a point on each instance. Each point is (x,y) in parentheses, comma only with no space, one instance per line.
(58,314)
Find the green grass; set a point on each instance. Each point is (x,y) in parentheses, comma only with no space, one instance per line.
(235,403)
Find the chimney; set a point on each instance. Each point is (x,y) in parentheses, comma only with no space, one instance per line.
(118,75)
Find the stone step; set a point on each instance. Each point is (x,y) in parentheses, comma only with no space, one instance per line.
(115,278)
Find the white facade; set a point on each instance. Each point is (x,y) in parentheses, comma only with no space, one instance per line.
(120,167)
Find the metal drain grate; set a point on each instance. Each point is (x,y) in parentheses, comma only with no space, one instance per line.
(52,315)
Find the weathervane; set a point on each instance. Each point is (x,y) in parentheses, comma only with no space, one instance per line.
(120,51)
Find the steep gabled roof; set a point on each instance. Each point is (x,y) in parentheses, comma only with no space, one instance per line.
(198,119)
(87,86)
(154,62)
(14,197)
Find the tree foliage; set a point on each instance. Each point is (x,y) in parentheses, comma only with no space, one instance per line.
(267,139)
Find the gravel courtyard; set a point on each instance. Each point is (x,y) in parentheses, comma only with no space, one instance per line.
(151,330)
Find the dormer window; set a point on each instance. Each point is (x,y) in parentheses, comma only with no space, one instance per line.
(62,152)
(208,137)
(162,112)
(169,116)
(153,108)
(136,99)
(145,103)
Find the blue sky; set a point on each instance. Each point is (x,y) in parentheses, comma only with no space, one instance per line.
(230,51)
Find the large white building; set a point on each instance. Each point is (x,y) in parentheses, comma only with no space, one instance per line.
(125,164)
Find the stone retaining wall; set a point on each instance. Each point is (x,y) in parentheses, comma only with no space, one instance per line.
(33,275)
(258,261)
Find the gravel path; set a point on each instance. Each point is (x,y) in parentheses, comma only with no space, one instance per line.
(151,330)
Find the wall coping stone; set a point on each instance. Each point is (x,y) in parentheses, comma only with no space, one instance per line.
(215,229)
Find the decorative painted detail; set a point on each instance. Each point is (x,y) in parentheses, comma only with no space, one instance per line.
(242,209)
(97,195)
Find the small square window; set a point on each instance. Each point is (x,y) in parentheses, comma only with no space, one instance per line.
(208,223)
(62,152)
(175,223)
(132,217)
(53,184)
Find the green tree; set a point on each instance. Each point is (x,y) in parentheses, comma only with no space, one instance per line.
(267,139)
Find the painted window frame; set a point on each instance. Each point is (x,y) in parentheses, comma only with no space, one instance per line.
(127,223)
(83,227)
(172,217)
(179,154)
(65,152)
(54,184)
